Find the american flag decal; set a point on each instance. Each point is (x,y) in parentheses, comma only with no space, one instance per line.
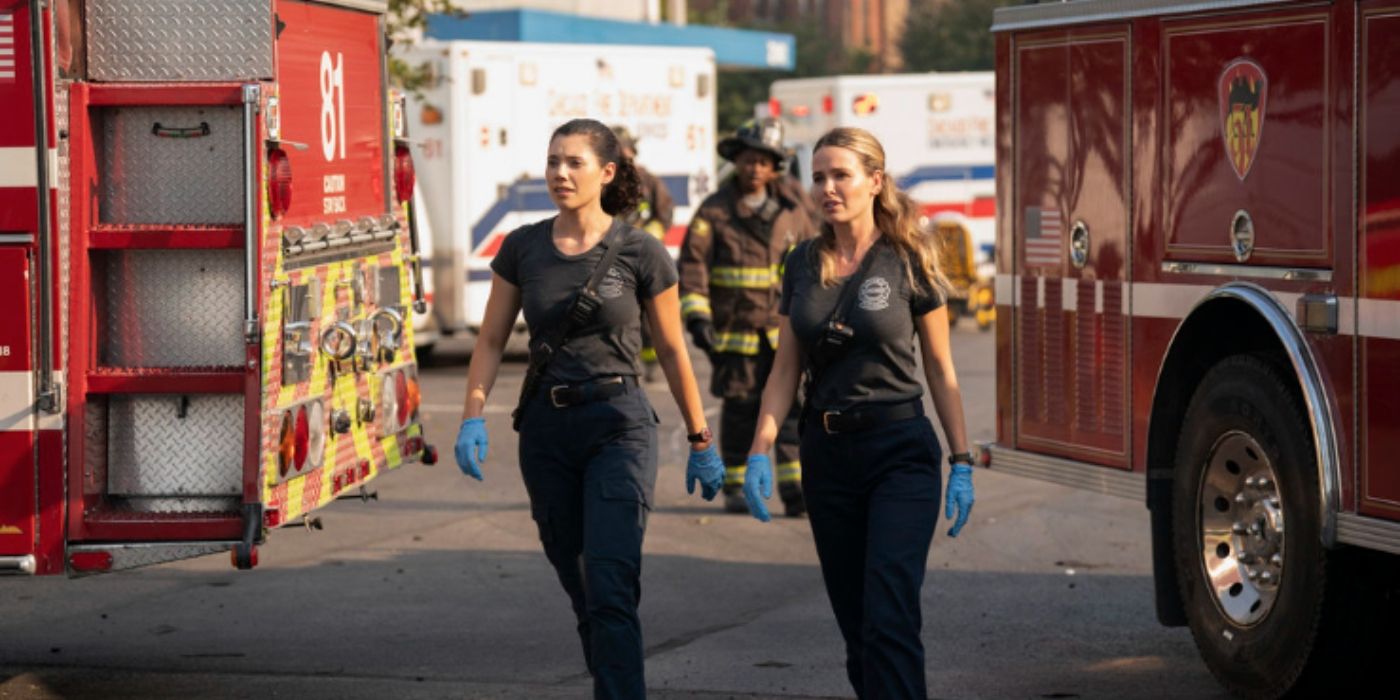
(7,47)
(1043,236)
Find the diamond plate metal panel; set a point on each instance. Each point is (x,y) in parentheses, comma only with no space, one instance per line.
(170,308)
(163,40)
(152,177)
(133,556)
(181,449)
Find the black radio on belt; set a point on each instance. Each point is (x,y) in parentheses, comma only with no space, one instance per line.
(837,336)
(586,304)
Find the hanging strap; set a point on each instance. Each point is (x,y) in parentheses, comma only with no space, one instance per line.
(584,306)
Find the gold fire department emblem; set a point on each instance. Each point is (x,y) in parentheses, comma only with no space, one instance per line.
(1243,88)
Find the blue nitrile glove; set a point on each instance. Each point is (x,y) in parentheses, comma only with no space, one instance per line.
(758,485)
(472,447)
(706,467)
(960,495)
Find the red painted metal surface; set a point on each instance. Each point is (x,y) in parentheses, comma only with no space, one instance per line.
(1380,254)
(154,94)
(17,206)
(17,464)
(110,237)
(1287,190)
(1073,157)
(1172,194)
(333,100)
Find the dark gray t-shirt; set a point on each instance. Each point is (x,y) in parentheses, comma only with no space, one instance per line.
(880,364)
(549,279)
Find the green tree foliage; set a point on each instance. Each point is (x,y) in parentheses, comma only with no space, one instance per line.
(406,20)
(949,36)
(740,90)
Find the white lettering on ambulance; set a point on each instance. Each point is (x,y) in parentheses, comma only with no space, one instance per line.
(568,105)
(332,184)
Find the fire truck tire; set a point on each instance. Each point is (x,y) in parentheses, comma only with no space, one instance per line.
(1252,589)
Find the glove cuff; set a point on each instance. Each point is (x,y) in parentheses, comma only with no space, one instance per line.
(478,419)
(961,470)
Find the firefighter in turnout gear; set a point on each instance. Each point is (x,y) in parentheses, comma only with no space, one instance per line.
(654,215)
(731,273)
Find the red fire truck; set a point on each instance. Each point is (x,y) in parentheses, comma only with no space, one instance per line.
(1199,213)
(206,261)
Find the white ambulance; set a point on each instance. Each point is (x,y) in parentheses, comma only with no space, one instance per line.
(938,130)
(482,128)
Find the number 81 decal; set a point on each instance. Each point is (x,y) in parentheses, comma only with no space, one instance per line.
(332,105)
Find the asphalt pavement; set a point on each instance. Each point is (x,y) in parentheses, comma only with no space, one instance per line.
(438,589)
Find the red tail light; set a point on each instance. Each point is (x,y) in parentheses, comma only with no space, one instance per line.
(403,173)
(90,561)
(302,438)
(775,107)
(279,182)
(286,445)
(414,399)
(828,104)
(404,410)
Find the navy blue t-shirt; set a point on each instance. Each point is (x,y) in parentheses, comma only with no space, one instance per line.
(549,280)
(880,365)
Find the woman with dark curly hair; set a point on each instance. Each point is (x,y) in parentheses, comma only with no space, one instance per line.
(588,446)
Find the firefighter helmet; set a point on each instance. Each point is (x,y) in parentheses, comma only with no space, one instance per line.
(765,135)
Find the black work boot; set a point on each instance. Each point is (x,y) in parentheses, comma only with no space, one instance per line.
(793,505)
(734,500)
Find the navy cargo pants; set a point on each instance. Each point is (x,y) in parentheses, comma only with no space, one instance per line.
(590,470)
(872,497)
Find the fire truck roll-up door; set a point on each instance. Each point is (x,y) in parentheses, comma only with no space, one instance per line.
(1070,248)
(178,277)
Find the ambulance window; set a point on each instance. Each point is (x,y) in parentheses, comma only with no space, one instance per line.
(702,85)
(478,81)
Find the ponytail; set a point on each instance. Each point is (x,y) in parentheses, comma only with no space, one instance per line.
(623,194)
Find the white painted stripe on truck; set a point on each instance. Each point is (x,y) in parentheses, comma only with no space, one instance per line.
(17,167)
(17,401)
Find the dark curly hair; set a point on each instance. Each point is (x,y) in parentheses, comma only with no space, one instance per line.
(624,192)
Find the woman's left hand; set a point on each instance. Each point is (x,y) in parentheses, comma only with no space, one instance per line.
(706,467)
(959,496)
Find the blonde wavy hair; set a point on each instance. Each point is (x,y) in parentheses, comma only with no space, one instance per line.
(896,217)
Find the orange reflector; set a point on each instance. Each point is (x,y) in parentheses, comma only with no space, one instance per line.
(90,561)
(286,445)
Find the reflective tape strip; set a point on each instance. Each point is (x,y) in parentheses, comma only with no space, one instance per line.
(742,343)
(790,471)
(734,476)
(18,167)
(695,304)
(743,277)
(17,400)
(773,338)
(648,355)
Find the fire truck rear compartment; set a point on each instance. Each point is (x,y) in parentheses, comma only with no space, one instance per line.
(164,449)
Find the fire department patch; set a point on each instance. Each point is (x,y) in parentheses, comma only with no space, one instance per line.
(1243,90)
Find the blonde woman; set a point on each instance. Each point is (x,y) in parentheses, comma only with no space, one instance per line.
(854,301)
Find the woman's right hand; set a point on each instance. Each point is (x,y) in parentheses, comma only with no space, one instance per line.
(472,446)
(758,485)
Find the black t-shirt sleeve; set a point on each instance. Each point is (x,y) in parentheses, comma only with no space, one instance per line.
(655,271)
(924,297)
(507,260)
(792,266)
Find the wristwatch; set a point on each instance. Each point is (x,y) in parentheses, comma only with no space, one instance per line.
(703,436)
(960,458)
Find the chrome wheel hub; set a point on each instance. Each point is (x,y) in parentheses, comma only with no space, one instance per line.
(1241,528)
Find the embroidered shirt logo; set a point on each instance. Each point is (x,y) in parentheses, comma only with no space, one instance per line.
(875,294)
(612,285)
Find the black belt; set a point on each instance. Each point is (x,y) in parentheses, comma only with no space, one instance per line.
(565,395)
(870,415)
